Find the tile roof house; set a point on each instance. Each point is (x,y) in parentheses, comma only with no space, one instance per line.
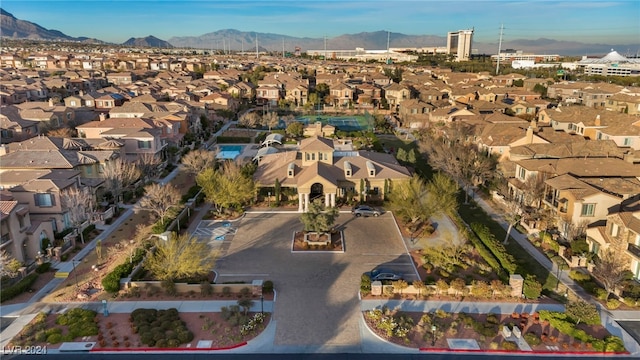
(13,127)
(317,169)
(620,233)
(21,237)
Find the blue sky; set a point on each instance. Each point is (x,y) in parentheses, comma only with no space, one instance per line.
(607,22)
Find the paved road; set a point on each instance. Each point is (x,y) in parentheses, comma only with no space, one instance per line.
(317,302)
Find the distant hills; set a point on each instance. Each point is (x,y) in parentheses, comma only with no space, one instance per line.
(21,29)
(149,41)
(230,39)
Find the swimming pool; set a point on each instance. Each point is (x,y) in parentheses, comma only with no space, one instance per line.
(229,151)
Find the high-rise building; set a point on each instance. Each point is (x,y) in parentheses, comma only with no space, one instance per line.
(459,44)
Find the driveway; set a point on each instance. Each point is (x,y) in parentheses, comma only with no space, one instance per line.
(317,293)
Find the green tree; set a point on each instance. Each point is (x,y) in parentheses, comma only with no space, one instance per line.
(540,89)
(319,219)
(295,129)
(227,186)
(532,288)
(411,156)
(180,257)
(401,155)
(582,311)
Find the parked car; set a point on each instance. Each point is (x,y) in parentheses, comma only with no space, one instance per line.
(384,274)
(364,210)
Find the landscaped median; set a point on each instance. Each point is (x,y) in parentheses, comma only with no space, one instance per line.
(539,332)
(145,330)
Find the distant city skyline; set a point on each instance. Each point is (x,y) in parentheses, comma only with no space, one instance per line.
(604,22)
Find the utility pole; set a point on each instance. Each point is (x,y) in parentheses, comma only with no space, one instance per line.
(499,48)
(388,54)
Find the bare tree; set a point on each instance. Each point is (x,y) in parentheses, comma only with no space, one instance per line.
(119,174)
(250,119)
(533,190)
(610,269)
(180,257)
(271,119)
(63,132)
(198,160)
(80,204)
(159,199)
(148,164)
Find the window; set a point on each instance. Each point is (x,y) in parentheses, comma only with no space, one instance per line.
(522,173)
(588,209)
(44,200)
(614,230)
(627,141)
(146,144)
(307,156)
(72,103)
(6,134)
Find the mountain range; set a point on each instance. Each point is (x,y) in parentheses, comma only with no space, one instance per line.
(230,39)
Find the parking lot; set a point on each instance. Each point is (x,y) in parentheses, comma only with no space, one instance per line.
(317,293)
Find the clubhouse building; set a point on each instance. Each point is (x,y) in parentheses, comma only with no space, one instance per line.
(322,168)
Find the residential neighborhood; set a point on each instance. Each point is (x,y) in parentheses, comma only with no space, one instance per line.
(247,150)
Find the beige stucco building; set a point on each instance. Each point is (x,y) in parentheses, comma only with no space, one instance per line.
(323,169)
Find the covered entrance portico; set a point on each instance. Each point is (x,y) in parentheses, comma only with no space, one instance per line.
(316,188)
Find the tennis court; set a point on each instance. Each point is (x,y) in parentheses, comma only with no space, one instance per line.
(344,123)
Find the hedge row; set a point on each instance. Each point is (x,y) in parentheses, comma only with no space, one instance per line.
(506,260)
(486,255)
(21,286)
(233,139)
(563,324)
(111,282)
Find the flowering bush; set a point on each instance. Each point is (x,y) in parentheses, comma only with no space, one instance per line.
(252,324)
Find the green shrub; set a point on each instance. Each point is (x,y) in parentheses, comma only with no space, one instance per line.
(532,339)
(532,288)
(9,292)
(579,275)
(601,293)
(54,338)
(508,345)
(496,247)
(613,304)
(43,268)
(191,193)
(111,282)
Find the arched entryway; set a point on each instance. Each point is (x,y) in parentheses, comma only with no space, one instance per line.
(317,190)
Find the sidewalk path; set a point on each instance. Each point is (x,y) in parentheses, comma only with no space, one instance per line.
(524,242)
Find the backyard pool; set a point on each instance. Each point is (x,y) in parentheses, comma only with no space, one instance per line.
(229,151)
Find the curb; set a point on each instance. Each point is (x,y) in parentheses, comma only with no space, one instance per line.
(149,349)
(535,352)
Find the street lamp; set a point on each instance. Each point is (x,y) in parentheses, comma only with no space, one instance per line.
(261,304)
(433,330)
